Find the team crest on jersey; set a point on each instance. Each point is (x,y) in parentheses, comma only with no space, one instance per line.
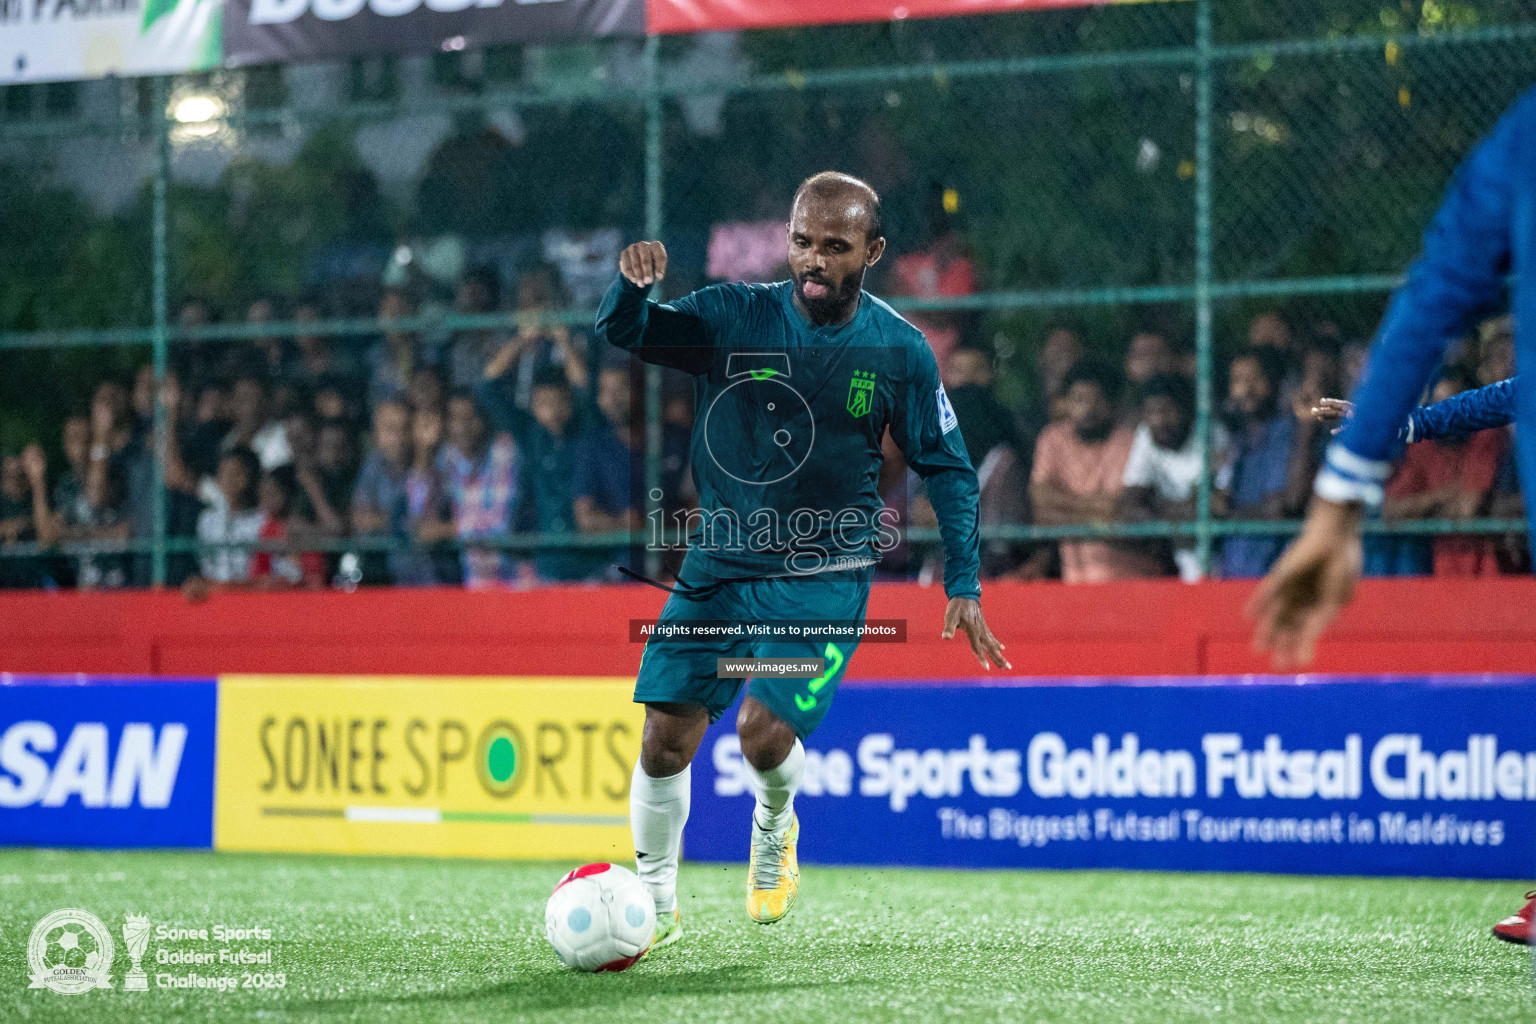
(861,392)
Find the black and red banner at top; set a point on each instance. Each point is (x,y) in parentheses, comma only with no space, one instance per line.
(258,31)
(669,16)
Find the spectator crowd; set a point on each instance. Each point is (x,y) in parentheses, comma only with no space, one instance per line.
(282,454)
(314,446)
(1119,445)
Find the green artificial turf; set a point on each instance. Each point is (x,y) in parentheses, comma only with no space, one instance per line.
(385,940)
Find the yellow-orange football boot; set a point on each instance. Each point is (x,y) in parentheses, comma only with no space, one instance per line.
(773,872)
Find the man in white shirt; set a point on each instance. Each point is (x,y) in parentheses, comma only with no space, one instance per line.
(1162,474)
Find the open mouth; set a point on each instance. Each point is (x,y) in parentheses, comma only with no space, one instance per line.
(812,288)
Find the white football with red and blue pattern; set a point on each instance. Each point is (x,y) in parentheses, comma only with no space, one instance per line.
(599,918)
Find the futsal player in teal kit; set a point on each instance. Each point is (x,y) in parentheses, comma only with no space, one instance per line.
(796,385)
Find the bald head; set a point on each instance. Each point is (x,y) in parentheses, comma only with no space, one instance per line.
(845,194)
(834,236)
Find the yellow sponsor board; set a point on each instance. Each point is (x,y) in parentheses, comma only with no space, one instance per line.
(440,766)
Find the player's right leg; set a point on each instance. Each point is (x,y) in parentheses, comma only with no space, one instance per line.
(682,692)
(658,805)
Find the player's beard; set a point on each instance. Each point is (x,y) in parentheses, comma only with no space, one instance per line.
(837,303)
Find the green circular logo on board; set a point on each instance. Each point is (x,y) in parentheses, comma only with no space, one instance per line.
(499,759)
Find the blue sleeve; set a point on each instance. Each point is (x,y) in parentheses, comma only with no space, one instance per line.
(926,430)
(1466,413)
(678,334)
(1459,272)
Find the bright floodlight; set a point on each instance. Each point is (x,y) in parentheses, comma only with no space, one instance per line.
(197,108)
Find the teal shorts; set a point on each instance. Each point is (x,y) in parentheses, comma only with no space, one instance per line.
(683,671)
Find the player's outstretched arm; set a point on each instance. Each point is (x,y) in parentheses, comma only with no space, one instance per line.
(673,334)
(1309,585)
(1485,408)
(965,613)
(1479,409)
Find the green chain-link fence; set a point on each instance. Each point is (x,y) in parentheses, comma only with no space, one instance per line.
(1180,167)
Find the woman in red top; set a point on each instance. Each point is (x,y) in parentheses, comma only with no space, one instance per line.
(1451,478)
(281,569)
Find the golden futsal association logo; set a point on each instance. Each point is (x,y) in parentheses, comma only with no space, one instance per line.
(70,952)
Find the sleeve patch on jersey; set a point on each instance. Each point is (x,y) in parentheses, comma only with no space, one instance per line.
(947,418)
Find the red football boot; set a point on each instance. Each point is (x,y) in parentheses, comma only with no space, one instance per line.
(1518,928)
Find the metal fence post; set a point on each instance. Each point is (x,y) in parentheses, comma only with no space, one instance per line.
(161,320)
(653,224)
(1203,341)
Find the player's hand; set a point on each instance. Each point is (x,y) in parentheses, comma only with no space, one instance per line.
(1333,410)
(1309,585)
(644,263)
(965,613)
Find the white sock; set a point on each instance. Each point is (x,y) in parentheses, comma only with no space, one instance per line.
(775,789)
(658,809)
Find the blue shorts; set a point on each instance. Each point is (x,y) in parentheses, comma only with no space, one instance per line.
(684,671)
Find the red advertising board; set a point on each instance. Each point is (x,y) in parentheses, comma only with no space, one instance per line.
(1136,628)
(670,16)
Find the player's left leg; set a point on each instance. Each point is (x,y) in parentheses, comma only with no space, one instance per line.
(775,759)
(778,714)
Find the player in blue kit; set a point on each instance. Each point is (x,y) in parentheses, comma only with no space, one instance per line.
(1484,231)
(796,386)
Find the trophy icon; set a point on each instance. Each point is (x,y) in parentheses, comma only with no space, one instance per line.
(136,937)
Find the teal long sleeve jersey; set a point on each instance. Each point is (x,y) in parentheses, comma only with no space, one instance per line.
(789,419)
